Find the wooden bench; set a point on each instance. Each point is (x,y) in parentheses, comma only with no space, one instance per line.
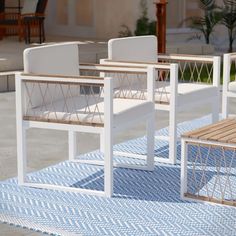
(212,173)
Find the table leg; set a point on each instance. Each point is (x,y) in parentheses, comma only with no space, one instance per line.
(184,161)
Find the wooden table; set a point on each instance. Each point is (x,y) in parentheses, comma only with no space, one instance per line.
(220,137)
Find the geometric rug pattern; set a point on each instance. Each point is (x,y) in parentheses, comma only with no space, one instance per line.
(144,203)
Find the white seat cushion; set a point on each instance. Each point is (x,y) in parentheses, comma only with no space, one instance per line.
(76,110)
(232,86)
(187,92)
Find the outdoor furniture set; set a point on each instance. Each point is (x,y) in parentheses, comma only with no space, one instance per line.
(27,22)
(57,92)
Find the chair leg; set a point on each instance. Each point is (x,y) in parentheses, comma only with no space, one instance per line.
(25,34)
(43,31)
(40,31)
(102,147)
(225,106)
(184,160)
(215,111)
(172,136)
(150,130)
(108,162)
(72,144)
(21,32)
(21,153)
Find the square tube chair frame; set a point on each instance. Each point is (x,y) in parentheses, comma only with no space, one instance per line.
(142,51)
(106,132)
(229,58)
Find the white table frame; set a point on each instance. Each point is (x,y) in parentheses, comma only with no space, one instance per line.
(184,162)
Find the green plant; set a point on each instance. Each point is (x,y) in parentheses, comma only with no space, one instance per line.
(143,25)
(206,23)
(229,20)
(126,32)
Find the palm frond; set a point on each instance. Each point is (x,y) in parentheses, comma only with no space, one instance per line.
(207,5)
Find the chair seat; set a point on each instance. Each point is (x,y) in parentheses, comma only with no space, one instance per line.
(187,92)
(9,22)
(232,86)
(76,111)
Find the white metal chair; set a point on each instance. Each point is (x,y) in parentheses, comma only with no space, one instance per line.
(176,90)
(229,85)
(51,94)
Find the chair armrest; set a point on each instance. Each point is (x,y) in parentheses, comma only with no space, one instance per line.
(32,15)
(186,57)
(60,79)
(113,68)
(229,58)
(9,16)
(198,63)
(158,65)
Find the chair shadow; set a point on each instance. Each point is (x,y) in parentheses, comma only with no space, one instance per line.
(215,159)
(162,185)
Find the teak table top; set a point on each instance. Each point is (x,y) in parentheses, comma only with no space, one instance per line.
(223,131)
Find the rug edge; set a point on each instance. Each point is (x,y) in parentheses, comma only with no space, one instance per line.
(24,224)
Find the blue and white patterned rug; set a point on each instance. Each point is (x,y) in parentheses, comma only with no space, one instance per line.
(144,203)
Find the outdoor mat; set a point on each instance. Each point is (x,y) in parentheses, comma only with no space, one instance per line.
(144,203)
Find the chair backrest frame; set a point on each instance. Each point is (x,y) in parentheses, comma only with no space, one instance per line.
(41,6)
(133,49)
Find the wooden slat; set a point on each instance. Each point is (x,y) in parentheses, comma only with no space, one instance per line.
(116,66)
(186,58)
(225,135)
(63,76)
(113,71)
(206,129)
(62,83)
(218,131)
(158,65)
(61,121)
(232,141)
(133,62)
(214,200)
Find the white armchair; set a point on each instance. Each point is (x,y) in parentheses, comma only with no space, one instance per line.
(229,83)
(51,94)
(175,90)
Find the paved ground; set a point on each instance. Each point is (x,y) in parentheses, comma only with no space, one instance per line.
(11,50)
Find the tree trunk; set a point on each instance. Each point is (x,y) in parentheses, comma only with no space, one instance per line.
(231,41)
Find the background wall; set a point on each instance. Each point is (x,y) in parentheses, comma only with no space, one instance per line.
(102,19)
